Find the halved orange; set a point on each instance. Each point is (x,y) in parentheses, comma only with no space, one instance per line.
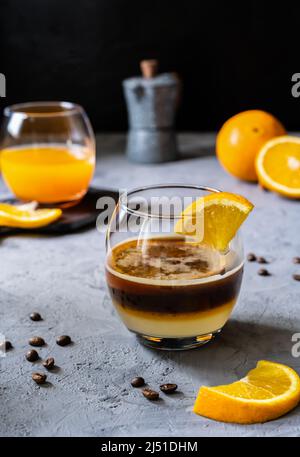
(265,393)
(278,165)
(214,219)
(25,216)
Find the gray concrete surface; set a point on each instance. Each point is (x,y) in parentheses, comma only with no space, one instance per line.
(62,278)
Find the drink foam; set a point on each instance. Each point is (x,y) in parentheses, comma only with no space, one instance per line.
(167,259)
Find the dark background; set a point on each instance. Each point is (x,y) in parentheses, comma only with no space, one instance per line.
(230,57)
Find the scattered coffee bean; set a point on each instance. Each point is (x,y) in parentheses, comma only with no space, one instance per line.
(168,388)
(63,340)
(261,260)
(296,260)
(150,394)
(263,272)
(251,257)
(39,378)
(137,382)
(32,355)
(36,341)
(296,277)
(35,317)
(49,363)
(8,345)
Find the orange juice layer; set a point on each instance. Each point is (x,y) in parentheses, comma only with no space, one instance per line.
(46,173)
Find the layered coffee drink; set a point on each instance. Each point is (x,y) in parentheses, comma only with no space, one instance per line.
(168,287)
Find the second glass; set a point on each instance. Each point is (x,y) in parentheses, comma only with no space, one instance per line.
(47,151)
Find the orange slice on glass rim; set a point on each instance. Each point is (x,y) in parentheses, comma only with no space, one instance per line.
(214,219)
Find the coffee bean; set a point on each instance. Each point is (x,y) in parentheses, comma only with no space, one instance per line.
(39,378)
(168,388)
(150,394)
(261,260)
(296,277)
(263,272)
(8,345)
(36,341)
(35,317)
(137,382)
(251,257)
(63,340)
(49,363)
(296,260)
(32,355)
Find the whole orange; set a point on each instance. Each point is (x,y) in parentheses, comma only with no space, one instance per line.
(240,139)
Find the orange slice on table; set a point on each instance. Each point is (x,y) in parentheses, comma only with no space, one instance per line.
(25,216)
(214,219)
(265,393)
(278,165)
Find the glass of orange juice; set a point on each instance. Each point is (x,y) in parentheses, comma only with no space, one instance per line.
(47,151)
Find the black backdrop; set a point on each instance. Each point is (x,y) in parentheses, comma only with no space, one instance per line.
(230,57)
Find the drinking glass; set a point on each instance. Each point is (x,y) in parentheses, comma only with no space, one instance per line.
(47,151)
(172,291)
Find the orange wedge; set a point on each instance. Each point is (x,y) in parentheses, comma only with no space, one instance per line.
(214,219)
(278,165)
(25,216)
(265,393)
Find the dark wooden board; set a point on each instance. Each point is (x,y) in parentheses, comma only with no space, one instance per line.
(74,218)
